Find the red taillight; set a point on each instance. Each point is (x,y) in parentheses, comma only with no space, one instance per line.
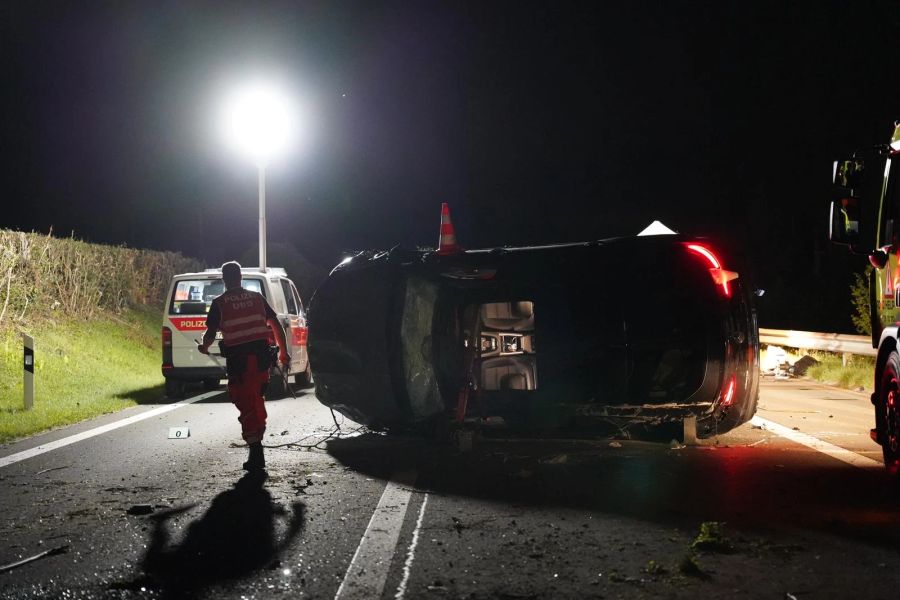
(298,336)
(728,396)
(166,337)
(720,276)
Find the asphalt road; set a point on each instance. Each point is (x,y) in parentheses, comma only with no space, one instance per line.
(367,516)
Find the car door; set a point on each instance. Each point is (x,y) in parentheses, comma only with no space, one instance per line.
(294,327)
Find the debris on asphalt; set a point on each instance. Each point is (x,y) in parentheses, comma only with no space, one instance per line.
(795,428)
(654,568)
(559,459)
(712,538)
(615,444)
(140,509)
(676,445)
(52,469)
(38,556)
(458,526)
(690,566)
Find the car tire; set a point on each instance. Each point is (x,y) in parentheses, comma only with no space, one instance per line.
(210,384)
(304,379)
(887,415)
(174,388)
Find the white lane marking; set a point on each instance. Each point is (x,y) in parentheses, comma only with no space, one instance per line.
(842,454)
(411,552)
(368,570)
(43,448)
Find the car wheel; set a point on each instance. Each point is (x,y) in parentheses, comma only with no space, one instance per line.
(304,379)
(887,418)
(174,388)
(210,384)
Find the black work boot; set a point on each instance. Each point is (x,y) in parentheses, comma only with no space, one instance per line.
(256,461)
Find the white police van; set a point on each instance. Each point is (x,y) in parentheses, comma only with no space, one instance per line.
(184,323)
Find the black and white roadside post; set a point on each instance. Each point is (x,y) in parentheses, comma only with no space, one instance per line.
(29,370)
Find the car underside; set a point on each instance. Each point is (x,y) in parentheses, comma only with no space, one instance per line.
(574,337)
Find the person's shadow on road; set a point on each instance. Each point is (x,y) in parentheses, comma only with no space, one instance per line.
(233,539)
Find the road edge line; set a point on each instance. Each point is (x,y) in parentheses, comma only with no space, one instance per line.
(84,435)
(841,454)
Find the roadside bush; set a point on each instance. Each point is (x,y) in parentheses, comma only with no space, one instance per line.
(41,275)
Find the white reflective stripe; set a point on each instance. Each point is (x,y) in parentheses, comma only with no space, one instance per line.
(242,320)
(255,333)
(448,237)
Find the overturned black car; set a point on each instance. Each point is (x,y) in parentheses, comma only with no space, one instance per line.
(645,330)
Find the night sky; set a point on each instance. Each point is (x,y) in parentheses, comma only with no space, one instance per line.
(555,122)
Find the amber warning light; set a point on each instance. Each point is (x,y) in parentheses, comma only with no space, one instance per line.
(720,276)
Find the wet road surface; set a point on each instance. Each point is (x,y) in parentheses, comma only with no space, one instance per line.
(365,515)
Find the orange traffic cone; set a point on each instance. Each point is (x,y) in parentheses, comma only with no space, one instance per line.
(447,242)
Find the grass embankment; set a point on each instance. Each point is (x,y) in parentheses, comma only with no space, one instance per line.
(90,309)
(858,375)
(83,369)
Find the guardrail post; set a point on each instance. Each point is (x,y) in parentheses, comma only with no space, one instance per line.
(846,359)
(28,364)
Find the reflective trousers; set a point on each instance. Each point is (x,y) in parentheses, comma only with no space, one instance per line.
(245,390)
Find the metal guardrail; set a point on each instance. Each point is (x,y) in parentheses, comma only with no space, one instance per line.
(839,343)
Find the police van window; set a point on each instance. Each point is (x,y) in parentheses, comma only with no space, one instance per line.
(195,296)
(289,297)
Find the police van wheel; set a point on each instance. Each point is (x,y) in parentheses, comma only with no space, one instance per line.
(174,388)
(276,388)
(304,379)
(210,384)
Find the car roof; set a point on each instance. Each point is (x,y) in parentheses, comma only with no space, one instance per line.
(270,272)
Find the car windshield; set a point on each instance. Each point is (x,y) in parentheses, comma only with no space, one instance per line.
(195,296)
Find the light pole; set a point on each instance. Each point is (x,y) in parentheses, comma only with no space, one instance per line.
(260,121)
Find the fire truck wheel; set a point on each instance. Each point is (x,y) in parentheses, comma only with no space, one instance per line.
(888,415)
(174,388)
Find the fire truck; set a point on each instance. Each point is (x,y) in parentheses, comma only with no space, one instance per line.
(884,283)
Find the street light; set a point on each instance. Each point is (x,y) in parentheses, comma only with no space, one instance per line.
(260,122)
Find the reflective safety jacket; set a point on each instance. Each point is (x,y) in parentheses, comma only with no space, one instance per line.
(243,317)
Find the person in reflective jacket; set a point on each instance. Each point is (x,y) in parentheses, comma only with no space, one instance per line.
(245,319)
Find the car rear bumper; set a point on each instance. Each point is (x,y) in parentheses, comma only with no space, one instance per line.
(193,373)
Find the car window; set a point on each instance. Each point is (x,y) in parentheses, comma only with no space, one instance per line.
(289,297)
(195,296)
(298,301)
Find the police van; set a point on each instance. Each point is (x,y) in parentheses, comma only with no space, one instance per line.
(184,323)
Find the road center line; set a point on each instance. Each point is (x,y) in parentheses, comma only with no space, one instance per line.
(43,448)
(842,454)
(368,570)
(411,552)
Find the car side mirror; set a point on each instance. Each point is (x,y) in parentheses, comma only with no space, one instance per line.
(844,222)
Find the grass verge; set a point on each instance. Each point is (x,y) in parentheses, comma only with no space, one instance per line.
(82,369)
(858,375)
